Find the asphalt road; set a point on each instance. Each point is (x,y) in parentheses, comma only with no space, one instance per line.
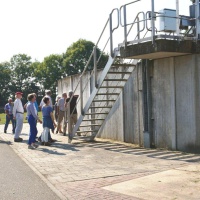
(18,181)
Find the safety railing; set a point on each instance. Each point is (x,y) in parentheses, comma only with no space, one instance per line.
(95,61)
(141,22)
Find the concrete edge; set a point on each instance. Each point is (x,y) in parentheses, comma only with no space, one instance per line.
(57,192)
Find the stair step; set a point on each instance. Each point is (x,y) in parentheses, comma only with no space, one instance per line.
(119,72)
(123,65)
(103,100)
(111,86)
(100,106)
(101,113)
(115,79)
(107,93)
(93,119)
(90,125)
(82,137)
(87,131)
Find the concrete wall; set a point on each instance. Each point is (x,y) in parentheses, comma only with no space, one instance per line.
(175,92)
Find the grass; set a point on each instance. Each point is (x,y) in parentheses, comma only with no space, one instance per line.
(3,117)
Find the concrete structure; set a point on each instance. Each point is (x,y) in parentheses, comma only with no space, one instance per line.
(159,104)
(174,108)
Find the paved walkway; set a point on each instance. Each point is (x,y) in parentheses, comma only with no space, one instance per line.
(18,181)
(107,170)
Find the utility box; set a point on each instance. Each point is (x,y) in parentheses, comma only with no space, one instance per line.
(167,20)
(192,10)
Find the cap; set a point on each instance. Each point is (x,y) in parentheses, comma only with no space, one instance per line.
(18,93)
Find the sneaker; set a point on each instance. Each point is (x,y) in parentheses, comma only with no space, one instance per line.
(18,139)
(31,147)
(47,144)
(35,145)
(5,131)
(52,140)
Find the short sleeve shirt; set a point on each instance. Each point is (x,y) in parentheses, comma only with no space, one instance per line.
(72,104)
(9,108)
(46,110)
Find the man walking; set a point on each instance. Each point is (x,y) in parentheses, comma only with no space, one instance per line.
(9,115)
(73,110)
(18,114)
(61,110)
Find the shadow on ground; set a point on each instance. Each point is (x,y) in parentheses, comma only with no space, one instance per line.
(153,153)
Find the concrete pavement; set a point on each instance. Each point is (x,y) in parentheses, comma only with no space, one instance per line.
(17,180)
(108,170)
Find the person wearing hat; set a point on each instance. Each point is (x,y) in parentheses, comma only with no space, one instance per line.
(18,115)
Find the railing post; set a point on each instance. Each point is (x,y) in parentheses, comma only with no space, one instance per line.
(197,19)
(125,27)
(70,136)
(111,35)
(81,94)
(177,18)
(152,23)
(138,28)
(95,66)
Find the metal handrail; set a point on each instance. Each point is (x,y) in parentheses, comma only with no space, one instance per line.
(92,54)
(134,22)
(124,8)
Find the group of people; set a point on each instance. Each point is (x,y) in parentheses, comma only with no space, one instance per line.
(15,113)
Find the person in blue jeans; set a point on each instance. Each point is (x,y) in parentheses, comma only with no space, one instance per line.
(32,120)
(9,116)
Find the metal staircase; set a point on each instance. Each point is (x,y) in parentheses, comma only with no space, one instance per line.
(103,97)
(107,86)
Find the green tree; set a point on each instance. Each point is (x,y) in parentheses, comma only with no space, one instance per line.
(49,72)
(22,75)
(5,82)
(77,55)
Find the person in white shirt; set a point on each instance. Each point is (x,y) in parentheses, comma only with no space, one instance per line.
(47,94)
(18,115)
(61,110)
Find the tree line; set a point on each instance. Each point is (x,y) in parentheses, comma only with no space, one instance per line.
(23,74)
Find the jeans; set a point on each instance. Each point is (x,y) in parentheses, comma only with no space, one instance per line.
(33,129)
(19,125)
(8,119)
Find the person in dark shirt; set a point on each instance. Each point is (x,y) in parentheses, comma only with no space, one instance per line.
(73,110)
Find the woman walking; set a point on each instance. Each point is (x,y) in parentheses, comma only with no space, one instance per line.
(32,120)
(48,121)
